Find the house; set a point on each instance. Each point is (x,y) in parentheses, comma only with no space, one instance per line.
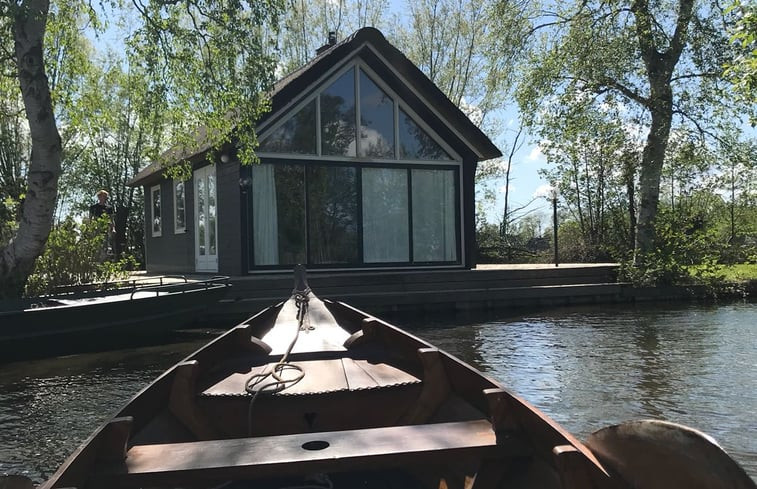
(365,164)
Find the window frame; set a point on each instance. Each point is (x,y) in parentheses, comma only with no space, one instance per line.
(176,228)
(159,232)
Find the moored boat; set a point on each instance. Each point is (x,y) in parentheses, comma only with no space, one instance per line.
(317,394)
(94,320)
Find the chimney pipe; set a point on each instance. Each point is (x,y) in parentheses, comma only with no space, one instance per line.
(331,42)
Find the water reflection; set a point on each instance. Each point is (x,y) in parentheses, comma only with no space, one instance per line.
(591,367)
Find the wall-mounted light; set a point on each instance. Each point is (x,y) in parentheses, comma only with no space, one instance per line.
(245,183)
(225,158)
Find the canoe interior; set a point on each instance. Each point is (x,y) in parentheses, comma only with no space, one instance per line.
(377,407)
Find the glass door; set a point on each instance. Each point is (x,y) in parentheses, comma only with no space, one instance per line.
(206,220)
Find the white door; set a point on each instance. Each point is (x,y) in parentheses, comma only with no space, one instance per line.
(206,220)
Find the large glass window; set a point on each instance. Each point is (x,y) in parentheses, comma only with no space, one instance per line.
(278,214)
(338,117)
(376,120)
(385,215)
(434,215)
(347,215)
(332,219)
(296,135)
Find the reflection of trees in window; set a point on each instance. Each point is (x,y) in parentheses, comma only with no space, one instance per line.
(179,203)
(416,144)
(290,201)
(338,117)
(376,120)
(332,203)
(156,216)
(296,135)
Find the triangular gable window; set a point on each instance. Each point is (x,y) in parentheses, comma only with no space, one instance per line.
(376,135)
(416,144)
(295,136)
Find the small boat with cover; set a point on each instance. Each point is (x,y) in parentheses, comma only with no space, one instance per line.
(97,319)
(315,394)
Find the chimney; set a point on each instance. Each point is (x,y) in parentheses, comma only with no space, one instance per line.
(331,42)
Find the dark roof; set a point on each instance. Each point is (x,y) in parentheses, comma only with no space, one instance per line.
(292,86)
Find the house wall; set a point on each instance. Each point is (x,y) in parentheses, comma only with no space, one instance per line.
(175,252)
(469,212)
(229,219)
(171,252)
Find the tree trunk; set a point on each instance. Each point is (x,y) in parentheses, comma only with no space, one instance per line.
(659,67)
(651,171)
(630,177)
(18,256)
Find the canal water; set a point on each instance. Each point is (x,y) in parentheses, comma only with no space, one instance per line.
(585,367)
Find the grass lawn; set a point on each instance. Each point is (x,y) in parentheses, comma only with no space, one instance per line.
(738,273)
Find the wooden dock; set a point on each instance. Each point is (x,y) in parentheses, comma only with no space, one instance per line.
(432,291)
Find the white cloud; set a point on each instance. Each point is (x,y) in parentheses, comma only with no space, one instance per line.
(542,191)
(535,154)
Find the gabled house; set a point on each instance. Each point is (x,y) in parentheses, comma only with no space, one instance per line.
(365,164)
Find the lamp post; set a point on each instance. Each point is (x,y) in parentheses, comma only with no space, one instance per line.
(553,194)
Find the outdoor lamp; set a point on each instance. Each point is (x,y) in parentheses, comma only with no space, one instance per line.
(553,193)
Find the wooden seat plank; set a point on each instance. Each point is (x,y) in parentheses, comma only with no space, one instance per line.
(331,375)
(386,375)
(394,446)
(357,378)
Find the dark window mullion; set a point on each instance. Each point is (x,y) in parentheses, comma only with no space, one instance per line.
(308,259)
(359,192)
(410,213)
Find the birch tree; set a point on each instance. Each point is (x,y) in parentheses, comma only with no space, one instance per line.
(210,59)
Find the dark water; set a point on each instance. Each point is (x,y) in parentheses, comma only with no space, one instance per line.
(587,368)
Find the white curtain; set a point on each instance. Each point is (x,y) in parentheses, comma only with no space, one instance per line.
(265,235)
(434,229)
(385,215)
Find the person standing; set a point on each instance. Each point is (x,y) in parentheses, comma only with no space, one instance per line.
(96,211)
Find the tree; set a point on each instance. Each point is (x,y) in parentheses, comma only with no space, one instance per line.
(743,69)
(665,58)
(584,146)
(464,48)
(209,63)
(306,24)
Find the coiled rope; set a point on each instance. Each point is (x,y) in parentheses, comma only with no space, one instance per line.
(259,384)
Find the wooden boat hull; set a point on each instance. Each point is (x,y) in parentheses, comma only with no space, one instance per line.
(116,320)
(355,402)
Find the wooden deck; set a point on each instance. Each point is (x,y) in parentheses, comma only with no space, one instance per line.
(432,291)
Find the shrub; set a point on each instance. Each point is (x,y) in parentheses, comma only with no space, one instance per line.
(76,254)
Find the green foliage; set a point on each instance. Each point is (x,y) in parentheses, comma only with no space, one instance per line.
(74,255)
(209,65)
(682,242)
(743,69)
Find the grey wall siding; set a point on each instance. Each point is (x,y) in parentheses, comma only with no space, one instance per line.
(468,233)
(169,252)
(229,219)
